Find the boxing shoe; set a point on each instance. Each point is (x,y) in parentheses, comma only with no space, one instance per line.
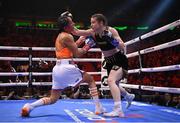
(25,111)
(99,110)
(129,98)
(114,113)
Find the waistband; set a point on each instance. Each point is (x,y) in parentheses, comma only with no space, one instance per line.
(64,61)
(119,53)
(110,53)
(114,58)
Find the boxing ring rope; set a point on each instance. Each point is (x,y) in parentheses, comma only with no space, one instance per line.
(147,50)
(155,48)
(142,87)
(154,32)
(149,88)
(154,69)
(131,86)
(48,59)
(39,48)
(36,73)
(35,84)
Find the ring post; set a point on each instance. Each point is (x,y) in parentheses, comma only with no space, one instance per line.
(140,74)
(30,72)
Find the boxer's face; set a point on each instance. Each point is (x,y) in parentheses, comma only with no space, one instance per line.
(96,25)
(70,25)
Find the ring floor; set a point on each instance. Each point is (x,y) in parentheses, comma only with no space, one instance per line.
(81,111)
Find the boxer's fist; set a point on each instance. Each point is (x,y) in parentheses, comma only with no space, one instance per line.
(89,43)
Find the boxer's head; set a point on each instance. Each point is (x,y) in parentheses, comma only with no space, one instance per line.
(98,21)
(67,14)
(65,22)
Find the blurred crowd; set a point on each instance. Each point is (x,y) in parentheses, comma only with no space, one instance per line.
(160,58)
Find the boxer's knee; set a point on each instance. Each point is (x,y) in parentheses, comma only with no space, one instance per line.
(110,80)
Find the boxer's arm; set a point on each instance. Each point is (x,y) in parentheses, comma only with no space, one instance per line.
(80,41)
(117,37)
(70,44)
(78,32)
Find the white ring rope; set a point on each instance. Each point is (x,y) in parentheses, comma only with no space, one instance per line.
(155,69)
(149,88)
(155,48)
(35,83)
(49,59)
(39,48)
(161,69)
(161,89)
(36,73)
(147,50)
(131,86)
(154,32)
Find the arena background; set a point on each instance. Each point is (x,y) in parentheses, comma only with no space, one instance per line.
(33,24)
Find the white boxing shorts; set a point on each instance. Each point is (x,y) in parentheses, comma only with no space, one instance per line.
(65,74)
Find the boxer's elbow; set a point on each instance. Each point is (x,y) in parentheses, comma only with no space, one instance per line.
(79,53)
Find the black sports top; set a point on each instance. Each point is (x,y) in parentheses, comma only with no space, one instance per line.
(106,41)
